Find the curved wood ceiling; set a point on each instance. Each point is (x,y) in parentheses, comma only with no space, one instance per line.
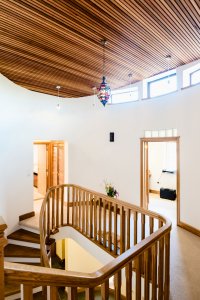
(45,43)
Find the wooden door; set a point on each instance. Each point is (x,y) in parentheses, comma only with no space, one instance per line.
(57,176)
(42,168)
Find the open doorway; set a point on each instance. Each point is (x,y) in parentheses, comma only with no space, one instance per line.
(48,166)
(160,176)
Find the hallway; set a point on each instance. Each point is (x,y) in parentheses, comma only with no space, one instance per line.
(185,254)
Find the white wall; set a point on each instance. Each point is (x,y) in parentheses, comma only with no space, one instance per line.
(26,116)
(157,178)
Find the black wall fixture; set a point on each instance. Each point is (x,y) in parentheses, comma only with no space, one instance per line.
(112,137)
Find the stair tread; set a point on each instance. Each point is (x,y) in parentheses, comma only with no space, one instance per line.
(25,236)
(12,250)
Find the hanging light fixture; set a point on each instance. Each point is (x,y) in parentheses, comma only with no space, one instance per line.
(104,89)
(58,104)
(130,77)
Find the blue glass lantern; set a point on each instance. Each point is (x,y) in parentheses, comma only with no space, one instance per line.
(104,92)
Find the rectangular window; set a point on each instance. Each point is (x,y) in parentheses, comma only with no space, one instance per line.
(191,75)
(195,77)
(124,95)
(162,86)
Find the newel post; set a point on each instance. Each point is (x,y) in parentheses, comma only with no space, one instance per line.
(3,242)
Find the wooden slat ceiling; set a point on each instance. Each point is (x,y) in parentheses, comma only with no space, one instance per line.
(45,43)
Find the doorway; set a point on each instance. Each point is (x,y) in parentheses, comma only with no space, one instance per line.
(48,166)
(160,176)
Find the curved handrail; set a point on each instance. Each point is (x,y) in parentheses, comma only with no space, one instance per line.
(143,256)
(55,277)
(115,201)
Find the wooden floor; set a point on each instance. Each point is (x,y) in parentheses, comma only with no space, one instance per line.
(185,254)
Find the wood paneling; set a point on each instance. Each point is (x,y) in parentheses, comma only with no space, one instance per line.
(49,43)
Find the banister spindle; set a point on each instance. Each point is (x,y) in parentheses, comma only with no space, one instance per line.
(3,242)
(105,290)
(26,292)
(72,293)
(129,270)
(118,283)
(89,294)
(104,222)
(167,266)
(115,228)
(138,277)
(62,205)
(154,271)
(122,230)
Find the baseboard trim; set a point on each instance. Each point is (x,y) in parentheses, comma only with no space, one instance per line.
(27,216)
(189,228)
(154,192)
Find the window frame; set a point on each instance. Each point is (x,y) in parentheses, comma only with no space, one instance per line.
(121,93)
(191,74)
(159,79)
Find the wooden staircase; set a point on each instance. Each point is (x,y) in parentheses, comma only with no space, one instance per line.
(23,247)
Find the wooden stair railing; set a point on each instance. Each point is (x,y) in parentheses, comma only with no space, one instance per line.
(139,241)
(3,243)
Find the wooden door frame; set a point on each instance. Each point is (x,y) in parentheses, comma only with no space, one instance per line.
(161,139)
(49,149)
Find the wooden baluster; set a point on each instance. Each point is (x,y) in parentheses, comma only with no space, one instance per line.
(87,214)
(80,210)
(89,294)
(62,205)
(122,230)
(160,269)
(142,226)
(83,212)
(48,215)
(129,271)
(44,227)
(128,222)
(167,266)
(115,228)
(53,293)
(100,233)
(105,290)
(73,205)
(26,292)
(146,275)
(77,217)
(118,282)
(91,216)
(104,223)
(151,224)
(57,206)
(110,226)
(135,227)
(68,200)
(138,278)
(72,293)
(154,271)
(3,242)
(95,218)
(53,209)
